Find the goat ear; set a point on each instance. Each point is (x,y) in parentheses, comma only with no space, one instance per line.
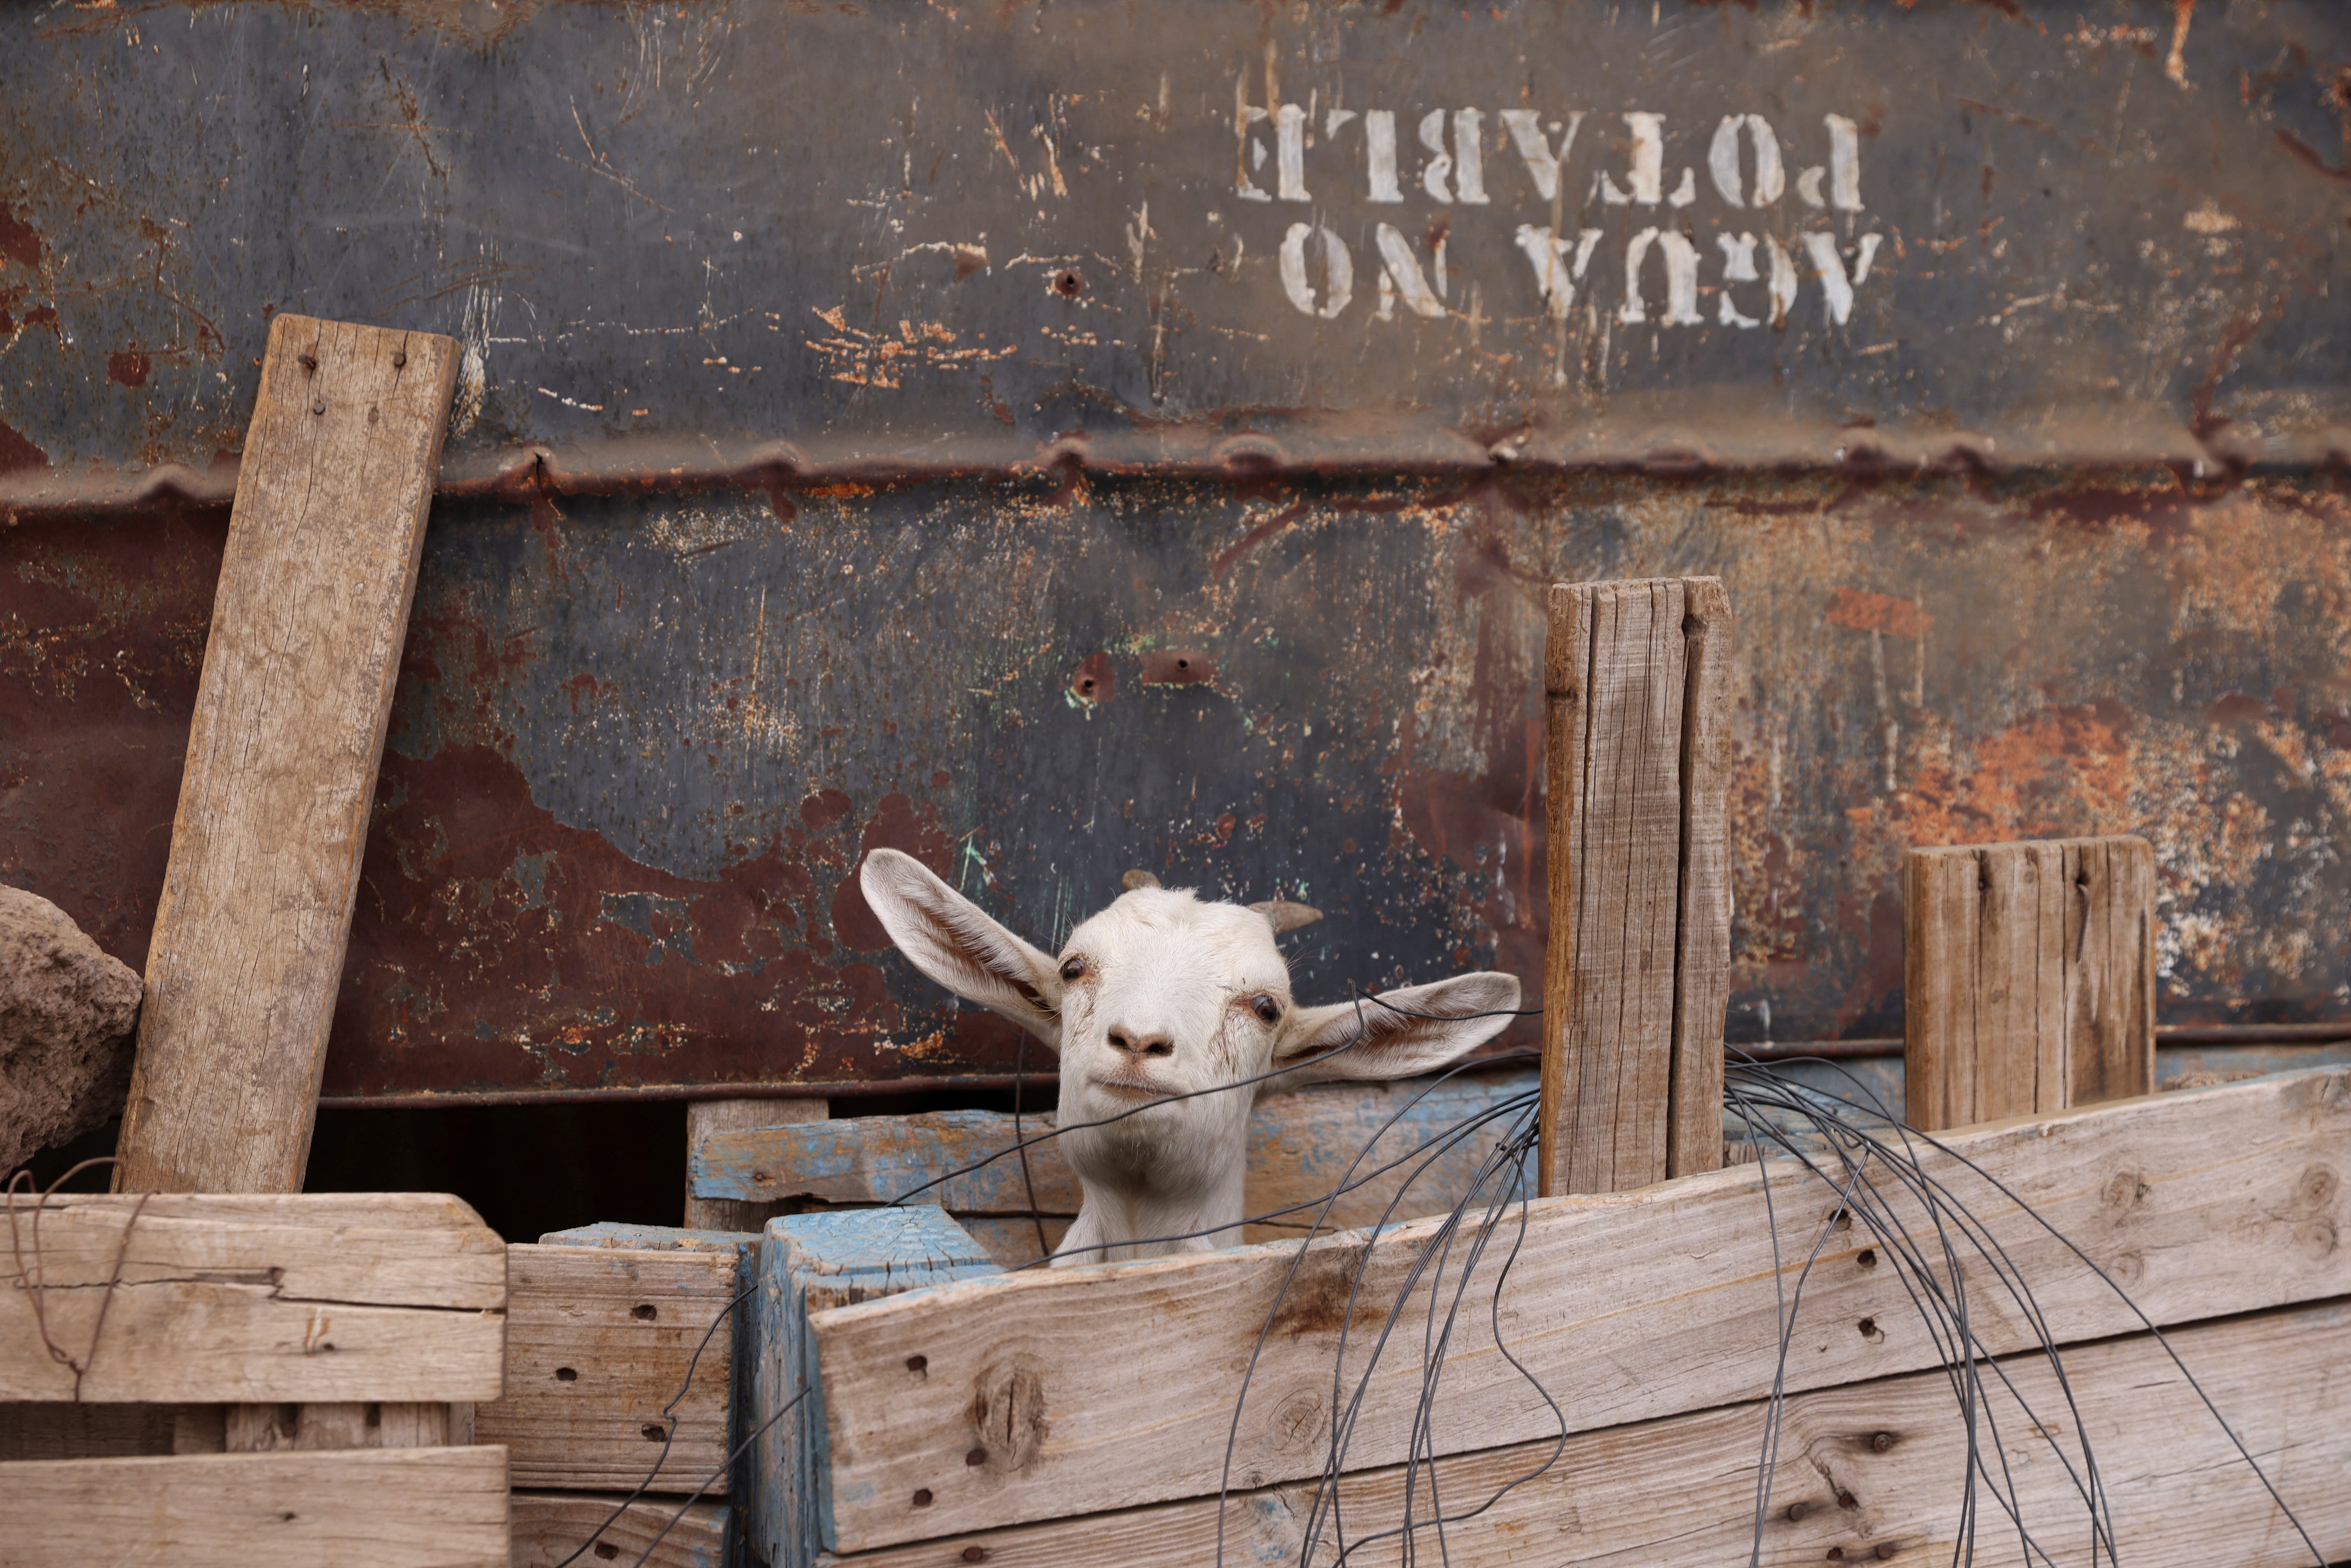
(944,935)
(1286,916)
(1398,1033)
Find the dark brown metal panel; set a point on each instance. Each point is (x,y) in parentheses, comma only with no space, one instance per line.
(864,241)
(640,742)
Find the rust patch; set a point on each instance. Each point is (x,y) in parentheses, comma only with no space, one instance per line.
(19,241)
(1178,667)
(1857,609)
(128,369)
(17,454)
(1094,680)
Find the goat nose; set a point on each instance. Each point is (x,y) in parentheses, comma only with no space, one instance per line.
(1131,1042)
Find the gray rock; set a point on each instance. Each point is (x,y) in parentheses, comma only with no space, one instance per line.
(67,1011)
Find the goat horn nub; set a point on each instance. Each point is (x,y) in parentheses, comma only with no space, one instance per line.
(1136,879)
(1286,915)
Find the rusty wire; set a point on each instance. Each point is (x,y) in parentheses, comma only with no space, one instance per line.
(35,1281)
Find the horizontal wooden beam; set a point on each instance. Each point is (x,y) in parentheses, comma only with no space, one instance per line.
(551,1526)
(253,1299)
(388,1507)
(1869,1473)
(598,1342)
(1625,1307)
(1301,1146)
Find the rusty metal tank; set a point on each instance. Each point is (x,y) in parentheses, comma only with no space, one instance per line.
(1056,439)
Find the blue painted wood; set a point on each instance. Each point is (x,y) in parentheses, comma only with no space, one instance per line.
(876,1159)
(808,1263)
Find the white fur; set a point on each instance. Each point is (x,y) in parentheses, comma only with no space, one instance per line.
(1166,1002)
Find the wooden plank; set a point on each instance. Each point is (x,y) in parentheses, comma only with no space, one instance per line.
(307,628)
(876,1159)
(706,1117)
(2110,974)
(1302,1145)
(1702,932)
(388,1507)
(616,1234)
(549,1527)
(2203,1203)
(285,1429)
(598,1341)
(1865,1474)
(2029,967)
(809,1263)
(1616,704)
(335,1297)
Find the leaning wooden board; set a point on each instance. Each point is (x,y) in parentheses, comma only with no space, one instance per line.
(327,1297)
(283,748)
(1869,1473)
(386,1507)
(1627,1306)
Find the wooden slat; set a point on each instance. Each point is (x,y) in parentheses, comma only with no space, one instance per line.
(2029,974)
(1627,1307)
(1702,936)
(388,1507)
(307,628)
(1872,1473)
(875,1159)
(548,1526)
(809,1263)
(254,1298)
(2110,980)
(1301,1144)
(314,1426)
(597,1342)
(1609,1011)
(705,1118)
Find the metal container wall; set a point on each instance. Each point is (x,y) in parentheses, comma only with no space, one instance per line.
(1053,441)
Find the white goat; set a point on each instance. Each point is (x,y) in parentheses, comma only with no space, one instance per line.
(1163,994)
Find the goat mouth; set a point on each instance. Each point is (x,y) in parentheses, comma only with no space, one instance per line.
(1133,1087)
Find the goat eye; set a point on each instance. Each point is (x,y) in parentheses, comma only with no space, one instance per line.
(1072,968)
(1266,1008)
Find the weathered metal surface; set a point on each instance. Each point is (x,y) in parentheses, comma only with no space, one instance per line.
(638,742)
(689,239)
(901,427)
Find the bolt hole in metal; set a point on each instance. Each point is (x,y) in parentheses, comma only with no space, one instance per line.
(1068,284)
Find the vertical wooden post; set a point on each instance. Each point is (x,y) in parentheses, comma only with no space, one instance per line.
(706,1117)
(283,749)
(2029,977)
(1637,685)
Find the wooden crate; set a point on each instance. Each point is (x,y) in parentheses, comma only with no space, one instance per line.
(954,1413)
(251,1379)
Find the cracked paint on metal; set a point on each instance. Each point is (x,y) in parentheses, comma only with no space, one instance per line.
(680,241)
